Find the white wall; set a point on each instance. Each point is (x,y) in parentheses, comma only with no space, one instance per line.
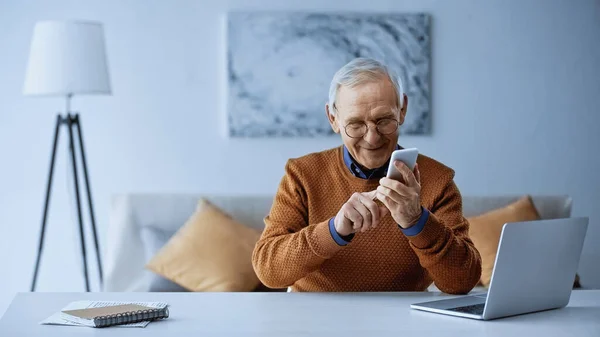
(515,110)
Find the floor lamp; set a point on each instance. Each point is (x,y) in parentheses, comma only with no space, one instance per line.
(68,58)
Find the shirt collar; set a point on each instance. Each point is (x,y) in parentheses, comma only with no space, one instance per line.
(353,166)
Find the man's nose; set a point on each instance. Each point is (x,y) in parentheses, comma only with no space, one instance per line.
(372,136)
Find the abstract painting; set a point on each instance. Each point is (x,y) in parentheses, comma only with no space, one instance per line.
(280,65)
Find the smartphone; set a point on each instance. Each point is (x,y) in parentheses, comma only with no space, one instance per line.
(407,156)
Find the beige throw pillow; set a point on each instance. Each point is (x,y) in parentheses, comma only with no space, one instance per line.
(211,252)
(485,230)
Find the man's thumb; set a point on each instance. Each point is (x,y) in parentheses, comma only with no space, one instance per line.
(383,211)
(371,195)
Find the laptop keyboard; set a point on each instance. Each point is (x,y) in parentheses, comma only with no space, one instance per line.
(476,309)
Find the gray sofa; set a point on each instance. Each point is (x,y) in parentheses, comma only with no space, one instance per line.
(140,224)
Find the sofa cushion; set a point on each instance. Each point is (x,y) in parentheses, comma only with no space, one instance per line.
(485,230)
(154,239)
(210,252)
(548,206)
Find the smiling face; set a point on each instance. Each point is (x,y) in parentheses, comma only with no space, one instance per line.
(368,103)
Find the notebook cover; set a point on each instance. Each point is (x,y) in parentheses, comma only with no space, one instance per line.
(91,313)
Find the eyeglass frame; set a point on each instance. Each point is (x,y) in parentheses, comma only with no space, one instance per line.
(367,126)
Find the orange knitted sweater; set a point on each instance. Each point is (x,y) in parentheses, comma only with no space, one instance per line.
(297,250)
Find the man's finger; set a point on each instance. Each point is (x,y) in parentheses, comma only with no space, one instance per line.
(372,207)
(417,174)
(396,186)
(409,177)
(352,214)
(365,213)
(397,198)
(383,211)
(347,222)
(384,200)
(371,194)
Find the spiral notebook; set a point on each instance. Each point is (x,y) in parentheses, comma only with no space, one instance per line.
(105,313)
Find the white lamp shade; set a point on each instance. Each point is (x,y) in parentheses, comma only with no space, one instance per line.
(67,58)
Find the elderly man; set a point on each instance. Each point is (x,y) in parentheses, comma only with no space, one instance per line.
(326,230)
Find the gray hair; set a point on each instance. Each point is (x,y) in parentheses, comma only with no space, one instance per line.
(359,71)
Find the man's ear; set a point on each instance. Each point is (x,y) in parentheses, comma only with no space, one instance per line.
(403,109)
(331,117)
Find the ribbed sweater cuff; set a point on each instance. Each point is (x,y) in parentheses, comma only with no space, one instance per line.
(432,232)
(321,241)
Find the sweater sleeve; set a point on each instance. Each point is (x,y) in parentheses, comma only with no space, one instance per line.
(290,248)
(444,247)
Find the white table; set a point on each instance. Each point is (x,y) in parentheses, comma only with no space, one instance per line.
(293,314)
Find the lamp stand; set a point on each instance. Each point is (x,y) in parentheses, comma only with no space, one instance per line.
(71,121)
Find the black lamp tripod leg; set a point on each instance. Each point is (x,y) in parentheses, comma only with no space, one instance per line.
(89,196)
(59,121)
(76,181)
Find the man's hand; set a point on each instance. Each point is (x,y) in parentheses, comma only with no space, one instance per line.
(402,198)
(359,214)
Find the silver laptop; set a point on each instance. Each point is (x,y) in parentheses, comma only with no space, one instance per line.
(534,271)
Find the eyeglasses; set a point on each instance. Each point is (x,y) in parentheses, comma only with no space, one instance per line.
(384,126)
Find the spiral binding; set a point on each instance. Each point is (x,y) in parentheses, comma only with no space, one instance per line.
(131,317)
